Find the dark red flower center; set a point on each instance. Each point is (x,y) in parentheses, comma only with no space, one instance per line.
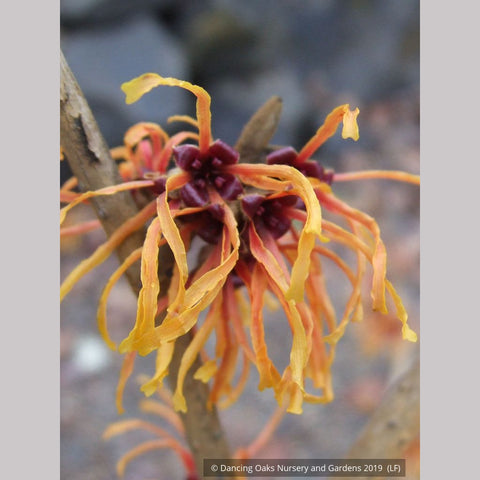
(207,170)
(208,225)
(309,168)
(271,214)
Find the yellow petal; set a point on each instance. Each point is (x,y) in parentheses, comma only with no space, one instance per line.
(265,257)
(104,191)
(327,397)
(379,258)
(407,332)
(299,351)
(355,299)
(198,341)
(183,118)
(165,411)
(164,357)
(206,371)
(236,391)
(198,295)
(233,312)
(350,126)
(102,304)
(161,163)
(317,293)
(105,250)
(290,393)
(257,293)
(136,88)
(224,376)
(329,128)
(125,372)
(301,267)
(144,448)
(313,223)
(379,264)
(140,130)
(172,234)
(296,400)
(149,274)
(298,354)
(148,295)
(124,426)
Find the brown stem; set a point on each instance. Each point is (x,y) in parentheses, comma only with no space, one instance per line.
(395,424)
(89,158)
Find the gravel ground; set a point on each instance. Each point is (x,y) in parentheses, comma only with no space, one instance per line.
(314,57)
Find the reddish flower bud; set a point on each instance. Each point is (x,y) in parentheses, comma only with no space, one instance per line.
(185,155)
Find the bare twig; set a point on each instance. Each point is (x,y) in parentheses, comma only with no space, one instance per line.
(89,158)
(257,133)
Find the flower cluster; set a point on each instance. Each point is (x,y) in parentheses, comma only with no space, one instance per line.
(264,234)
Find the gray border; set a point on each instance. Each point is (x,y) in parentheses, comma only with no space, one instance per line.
(29,241)
(449,256)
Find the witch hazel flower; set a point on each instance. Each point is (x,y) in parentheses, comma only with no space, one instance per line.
(265,237)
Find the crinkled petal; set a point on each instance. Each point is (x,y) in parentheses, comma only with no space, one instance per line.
(198,341)
(104,251)
(265,257)
(301,267)
(224,376)
(148,295)
(313,224)
(161,164)
(183,118)
(125,373)
(355,297)
(379,260)
(136,88)
(266,370)
(102,304)
(147,447)
(206,371)
(350,127)
(407,332)
(80,228)
(141,130)
(164,411)
(395,175)
(353,242)
(124,426)
(104,191)
(379,263)
(164,357)
(233,313)
(198,295)
(174,239)
(290,393)
(299,350)
(328,129)
(236,391)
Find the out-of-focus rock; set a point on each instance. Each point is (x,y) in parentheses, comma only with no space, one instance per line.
(80,12)
(102,60)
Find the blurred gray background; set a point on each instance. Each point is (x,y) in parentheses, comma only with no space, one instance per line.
(315,55)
